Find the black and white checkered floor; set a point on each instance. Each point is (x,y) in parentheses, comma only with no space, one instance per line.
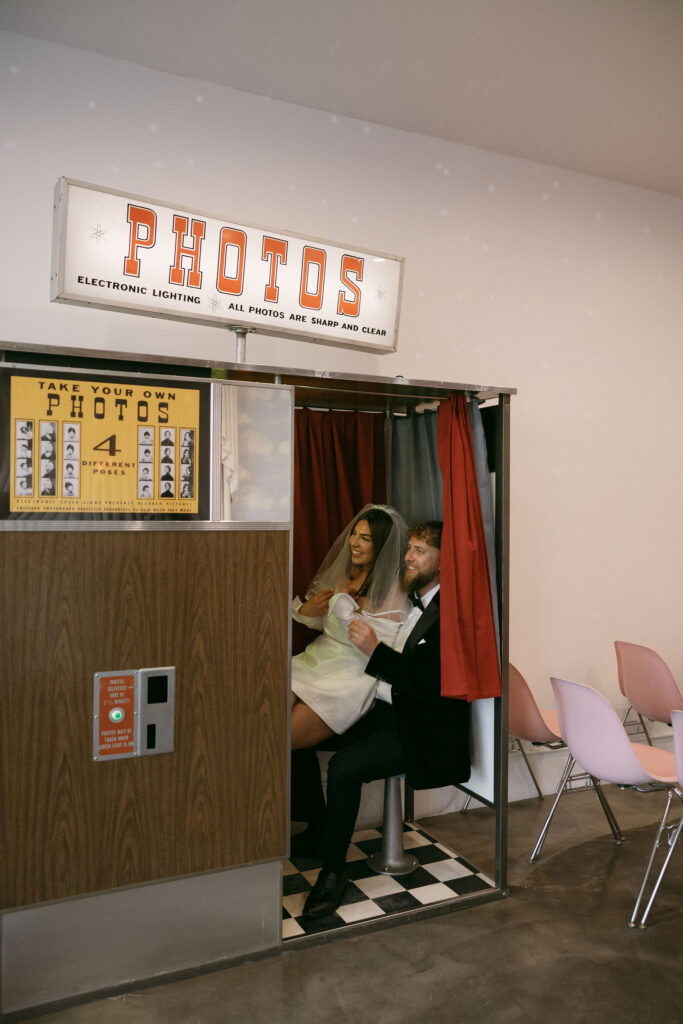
(442,876)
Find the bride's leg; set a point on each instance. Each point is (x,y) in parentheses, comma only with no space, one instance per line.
(307,728)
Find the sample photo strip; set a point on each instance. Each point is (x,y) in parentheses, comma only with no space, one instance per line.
(23,476)
(167,462)
(187,463)
(48,458)
(145,462)
(71,450)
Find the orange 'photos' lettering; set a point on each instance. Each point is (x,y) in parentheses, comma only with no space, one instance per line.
(233,242)
(312,259)
(197,231)
(139,217)
(274,252)
(350,265)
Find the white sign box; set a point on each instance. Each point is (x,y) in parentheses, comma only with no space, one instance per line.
(124,252)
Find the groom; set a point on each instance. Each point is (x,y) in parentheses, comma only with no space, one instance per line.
(411,729)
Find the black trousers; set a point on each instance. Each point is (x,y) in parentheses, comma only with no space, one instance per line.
(369,750)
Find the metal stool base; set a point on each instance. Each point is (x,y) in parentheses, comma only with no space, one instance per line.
(405,866)
(391,858)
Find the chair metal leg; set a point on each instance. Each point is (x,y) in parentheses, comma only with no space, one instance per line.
(619,836)
(560,790)
(672,839)
(642,722)
(625,721)
(516,743)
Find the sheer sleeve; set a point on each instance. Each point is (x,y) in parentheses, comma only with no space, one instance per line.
(306,620)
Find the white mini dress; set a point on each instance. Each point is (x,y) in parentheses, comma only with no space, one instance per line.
(329,675)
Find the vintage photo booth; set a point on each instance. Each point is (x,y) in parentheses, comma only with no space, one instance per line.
(116,869)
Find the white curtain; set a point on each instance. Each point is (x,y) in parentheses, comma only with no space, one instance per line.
(229,455)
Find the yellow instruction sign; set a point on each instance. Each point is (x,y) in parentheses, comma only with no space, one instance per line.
(103,446)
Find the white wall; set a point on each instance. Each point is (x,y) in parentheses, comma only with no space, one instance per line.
(517,274)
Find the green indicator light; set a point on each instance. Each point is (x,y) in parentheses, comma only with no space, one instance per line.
(117,714)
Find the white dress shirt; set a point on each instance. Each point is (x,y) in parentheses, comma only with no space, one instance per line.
(383,691)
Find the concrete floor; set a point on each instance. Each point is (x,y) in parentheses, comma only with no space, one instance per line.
(558,948)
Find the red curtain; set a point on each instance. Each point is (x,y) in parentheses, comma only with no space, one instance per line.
(339,466)
(469,656)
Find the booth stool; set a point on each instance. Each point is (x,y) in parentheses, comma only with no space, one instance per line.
(391,858)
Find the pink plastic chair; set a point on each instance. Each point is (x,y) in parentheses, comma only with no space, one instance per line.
(673,832)
(647,683)
(597,739)
(526,721)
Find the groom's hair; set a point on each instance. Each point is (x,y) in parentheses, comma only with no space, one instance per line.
(430,531)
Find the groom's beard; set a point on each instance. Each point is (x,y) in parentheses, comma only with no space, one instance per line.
(409,582)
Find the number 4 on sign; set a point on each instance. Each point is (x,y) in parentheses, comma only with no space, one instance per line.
(108,445)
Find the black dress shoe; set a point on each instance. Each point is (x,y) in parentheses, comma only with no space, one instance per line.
(326,894)
(306,844)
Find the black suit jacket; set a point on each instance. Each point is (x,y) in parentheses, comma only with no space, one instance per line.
(433,730)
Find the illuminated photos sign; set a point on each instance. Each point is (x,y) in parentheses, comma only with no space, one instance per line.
(123,252)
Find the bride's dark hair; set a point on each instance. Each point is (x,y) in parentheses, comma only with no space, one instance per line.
(380,524)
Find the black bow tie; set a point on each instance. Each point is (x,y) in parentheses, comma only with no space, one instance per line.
(416,601)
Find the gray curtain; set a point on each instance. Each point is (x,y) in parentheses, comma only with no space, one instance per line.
(415,487)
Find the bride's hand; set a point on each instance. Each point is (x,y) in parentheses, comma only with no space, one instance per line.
(316,605)
(363,636)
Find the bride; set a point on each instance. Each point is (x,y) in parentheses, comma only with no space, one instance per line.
(359,577)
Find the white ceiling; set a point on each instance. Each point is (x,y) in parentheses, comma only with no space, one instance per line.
(594,86)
